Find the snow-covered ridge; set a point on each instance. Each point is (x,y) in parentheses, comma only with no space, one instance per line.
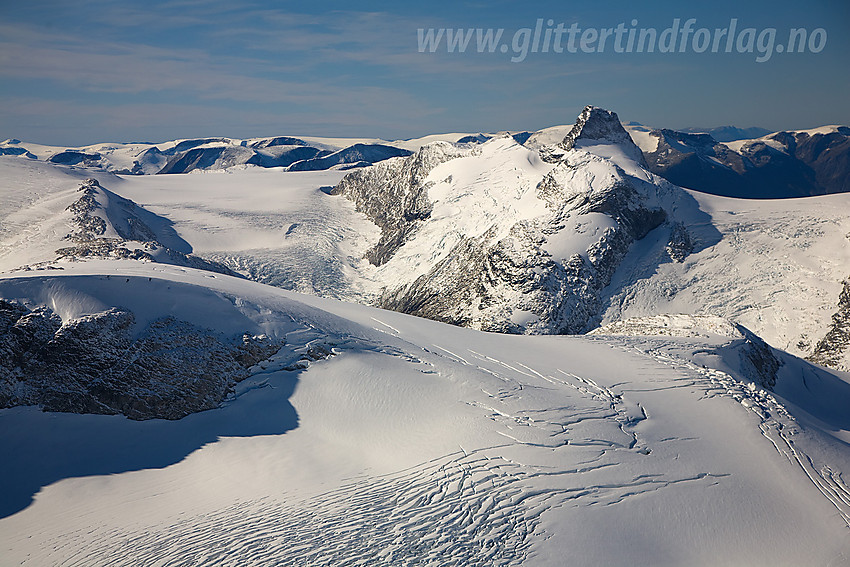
(101,224)
(673,325)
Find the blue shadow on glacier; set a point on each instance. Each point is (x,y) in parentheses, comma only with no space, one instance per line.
(41,448)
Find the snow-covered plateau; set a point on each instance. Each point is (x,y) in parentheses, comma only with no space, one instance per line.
(500,351)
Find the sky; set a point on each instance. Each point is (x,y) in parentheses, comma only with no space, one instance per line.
(76,73)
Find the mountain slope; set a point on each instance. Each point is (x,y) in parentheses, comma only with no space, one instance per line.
(500,237)
(63,224)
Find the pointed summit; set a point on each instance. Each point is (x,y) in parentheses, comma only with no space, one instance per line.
(597,125)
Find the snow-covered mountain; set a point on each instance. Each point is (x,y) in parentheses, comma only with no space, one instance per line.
(561,234)
(269,427)
(500,237)
(183,156)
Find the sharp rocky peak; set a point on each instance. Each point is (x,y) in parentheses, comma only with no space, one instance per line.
(596,124)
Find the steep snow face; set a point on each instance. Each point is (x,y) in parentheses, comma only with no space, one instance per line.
(422,443)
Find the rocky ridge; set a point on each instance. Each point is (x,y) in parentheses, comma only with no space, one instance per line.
(108,226)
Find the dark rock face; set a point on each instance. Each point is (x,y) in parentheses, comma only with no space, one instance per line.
(357,155)
(832,349)
(72,157)
(785,164)
(596,124)
(394,195)
(97,364)
(680,243)
(758,361)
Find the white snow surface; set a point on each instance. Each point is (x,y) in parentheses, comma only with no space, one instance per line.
(774,266)
(642,137)
(422,443)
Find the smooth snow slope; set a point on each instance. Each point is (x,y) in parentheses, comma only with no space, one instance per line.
(420,443)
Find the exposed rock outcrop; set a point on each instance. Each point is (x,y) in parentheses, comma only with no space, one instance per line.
(394,194)
(109,226)
(103,364)
(832,350)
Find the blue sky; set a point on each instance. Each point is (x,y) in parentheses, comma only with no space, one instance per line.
(74,73)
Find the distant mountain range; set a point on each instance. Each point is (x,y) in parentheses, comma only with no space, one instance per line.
(730,133)
(777,165)
(727,160)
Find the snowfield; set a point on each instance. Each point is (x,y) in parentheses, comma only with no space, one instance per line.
(415,442)
(683,429)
